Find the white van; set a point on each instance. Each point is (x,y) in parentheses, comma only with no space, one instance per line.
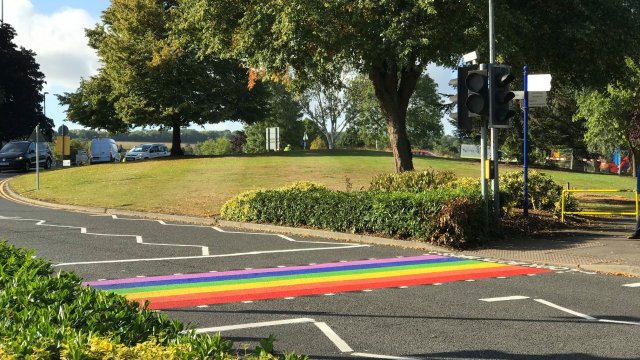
(104,150)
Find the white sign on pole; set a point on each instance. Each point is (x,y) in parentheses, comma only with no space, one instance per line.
(538,82)
(469,151)
(536,98)
(273,139)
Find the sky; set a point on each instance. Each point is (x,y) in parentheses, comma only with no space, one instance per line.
(54,30)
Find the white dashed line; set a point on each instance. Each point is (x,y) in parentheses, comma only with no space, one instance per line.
(505,298)
(632,285)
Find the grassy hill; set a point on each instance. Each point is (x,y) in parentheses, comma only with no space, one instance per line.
(199,186)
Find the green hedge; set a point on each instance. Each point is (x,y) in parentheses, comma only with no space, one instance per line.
(411,181)
(53,316)
(400,214)
(543,192)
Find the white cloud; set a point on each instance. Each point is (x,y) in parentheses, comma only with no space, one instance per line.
(58,40)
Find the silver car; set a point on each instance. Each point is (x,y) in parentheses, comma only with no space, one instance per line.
(146,151)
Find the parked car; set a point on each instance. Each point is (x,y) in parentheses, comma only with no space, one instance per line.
(147,151)
(104,150)
(21,155)
(82,158)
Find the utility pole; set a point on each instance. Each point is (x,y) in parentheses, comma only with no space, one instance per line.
(494,131)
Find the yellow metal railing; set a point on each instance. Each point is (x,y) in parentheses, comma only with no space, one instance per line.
(626,213)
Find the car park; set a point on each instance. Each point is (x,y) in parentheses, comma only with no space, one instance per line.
(21,155)
(104,150)
(147,151)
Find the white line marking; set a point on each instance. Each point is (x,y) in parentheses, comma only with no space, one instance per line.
(207,256)
(584,316)
(254,325)
(619,322)
(632,285)
(335,339)
(83,230)
(271,234)
(505,298)
(378,356)
(326,330)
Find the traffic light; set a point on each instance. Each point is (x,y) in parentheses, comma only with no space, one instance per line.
(501,95)
(478,86)
(462,113)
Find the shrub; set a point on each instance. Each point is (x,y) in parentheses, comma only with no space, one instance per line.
(47,316)
(318,144)
(398,214)
(219,146)
(543,193)
(411,181)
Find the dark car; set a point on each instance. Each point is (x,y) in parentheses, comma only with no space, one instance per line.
(21,155)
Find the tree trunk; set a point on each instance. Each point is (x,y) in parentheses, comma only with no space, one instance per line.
(634,161)
(176,149)
(393,95)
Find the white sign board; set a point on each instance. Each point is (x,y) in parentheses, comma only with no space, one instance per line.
(273,139)
(66,163)
(470,151)
(539,82)
(536,98)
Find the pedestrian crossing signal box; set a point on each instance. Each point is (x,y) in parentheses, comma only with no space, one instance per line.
(489,169)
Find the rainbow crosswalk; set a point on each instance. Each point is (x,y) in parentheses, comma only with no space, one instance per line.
(187,290)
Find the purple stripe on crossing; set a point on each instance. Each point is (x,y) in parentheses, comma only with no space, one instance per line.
(257,271)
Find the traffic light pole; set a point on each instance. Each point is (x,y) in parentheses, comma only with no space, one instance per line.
(494,131)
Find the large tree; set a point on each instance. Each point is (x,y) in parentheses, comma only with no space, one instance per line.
(20,90)
(391,41)
(154,80)
(424,113)
(612,116)
(326,107)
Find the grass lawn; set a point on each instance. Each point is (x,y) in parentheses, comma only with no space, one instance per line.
(200,186)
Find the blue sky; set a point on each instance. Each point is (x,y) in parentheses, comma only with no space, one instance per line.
(54,30)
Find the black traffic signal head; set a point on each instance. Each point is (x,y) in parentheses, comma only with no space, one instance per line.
(462,113)
(501,95)
(478,98)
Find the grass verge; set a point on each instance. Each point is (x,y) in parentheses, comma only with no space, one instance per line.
(200,186)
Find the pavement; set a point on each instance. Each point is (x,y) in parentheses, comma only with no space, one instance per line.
(602,247)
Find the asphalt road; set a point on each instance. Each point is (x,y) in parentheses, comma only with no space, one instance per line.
(551,315)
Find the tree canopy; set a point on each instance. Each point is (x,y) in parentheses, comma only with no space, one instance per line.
(391,41)
(20,90)
(148,79)
(612,115)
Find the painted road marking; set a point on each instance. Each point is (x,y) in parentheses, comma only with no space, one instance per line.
(564,309)
(505,298)
(324,328)
(548,303)
(208,256)
(83,230)
(378,356)
(139,240)
(177,291)
(632,285)
(335,339)
(254,325)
